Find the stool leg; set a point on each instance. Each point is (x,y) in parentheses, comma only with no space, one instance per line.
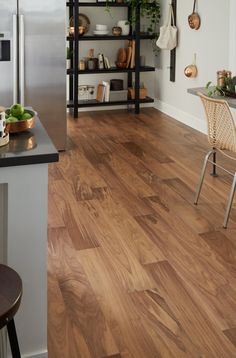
(15,350)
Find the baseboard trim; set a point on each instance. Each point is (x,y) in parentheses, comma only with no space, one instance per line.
(43,354)
(111,108)
(181,116)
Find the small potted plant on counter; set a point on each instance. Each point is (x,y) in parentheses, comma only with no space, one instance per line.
(226,87)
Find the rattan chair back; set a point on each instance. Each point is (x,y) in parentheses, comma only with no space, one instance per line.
(221,126)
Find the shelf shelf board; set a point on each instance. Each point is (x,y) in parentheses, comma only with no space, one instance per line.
(97,4)
(94,103)
(112,70)
(110,37)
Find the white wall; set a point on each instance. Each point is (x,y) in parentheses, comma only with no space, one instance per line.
(232,37)
(211,43)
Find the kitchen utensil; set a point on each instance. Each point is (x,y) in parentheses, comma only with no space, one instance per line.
(194,19)
(101,27)
(129,55)
(122,55)
(100,32)
(83,21)
(191,70)
(21,126)
(116,31)
(121,64)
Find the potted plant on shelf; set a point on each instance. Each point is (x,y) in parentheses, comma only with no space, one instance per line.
(150,10)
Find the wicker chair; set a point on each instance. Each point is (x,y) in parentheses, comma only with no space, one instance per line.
(221,136)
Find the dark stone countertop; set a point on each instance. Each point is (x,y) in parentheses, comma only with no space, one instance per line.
(31,147)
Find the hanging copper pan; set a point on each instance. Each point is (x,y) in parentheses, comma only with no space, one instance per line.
(194,19)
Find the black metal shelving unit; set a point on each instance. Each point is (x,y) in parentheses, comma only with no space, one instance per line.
(74,103)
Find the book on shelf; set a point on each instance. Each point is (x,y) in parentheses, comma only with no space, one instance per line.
(107,91)
(100,93)
(103,92)
(106,63)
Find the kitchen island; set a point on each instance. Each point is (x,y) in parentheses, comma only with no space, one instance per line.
(23,231)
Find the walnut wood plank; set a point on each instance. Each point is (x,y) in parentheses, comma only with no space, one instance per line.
(210,342)
(82,306)
(135,270)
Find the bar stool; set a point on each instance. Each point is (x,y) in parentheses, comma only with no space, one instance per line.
(10,298)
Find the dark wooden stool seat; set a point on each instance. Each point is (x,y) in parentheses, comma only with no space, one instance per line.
(10,298)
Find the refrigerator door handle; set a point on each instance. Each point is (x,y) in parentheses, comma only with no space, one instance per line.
(14,60)
(22,59)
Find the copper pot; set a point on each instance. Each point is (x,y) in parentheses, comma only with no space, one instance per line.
(194,19)
(190,71)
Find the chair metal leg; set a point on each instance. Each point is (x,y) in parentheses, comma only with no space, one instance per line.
(230,201)
(15,350)
(202,176)
(214,173)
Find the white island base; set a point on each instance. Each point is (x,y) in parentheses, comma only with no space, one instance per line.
(23,246)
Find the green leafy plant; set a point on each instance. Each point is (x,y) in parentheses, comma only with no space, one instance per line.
(149,10)
(228,86)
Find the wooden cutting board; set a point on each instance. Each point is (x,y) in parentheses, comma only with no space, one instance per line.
(129,54)
(2,109)
(121,57)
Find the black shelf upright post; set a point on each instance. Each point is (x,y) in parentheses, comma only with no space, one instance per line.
(173,52)
(71,50)
(130,75)
(137,59)
(76,56)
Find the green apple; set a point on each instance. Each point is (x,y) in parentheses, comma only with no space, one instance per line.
(26,116)
(11,119)
(17,110)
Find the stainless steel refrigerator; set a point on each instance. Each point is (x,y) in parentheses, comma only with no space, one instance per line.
(33,60)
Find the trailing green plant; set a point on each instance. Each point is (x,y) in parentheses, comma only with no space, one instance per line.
(149,10)
(228,86)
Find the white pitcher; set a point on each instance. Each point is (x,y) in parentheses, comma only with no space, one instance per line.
(125,26)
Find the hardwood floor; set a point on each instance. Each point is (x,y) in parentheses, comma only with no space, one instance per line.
(135,270)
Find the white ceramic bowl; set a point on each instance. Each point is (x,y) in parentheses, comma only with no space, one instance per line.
(101,32)
(101,27)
